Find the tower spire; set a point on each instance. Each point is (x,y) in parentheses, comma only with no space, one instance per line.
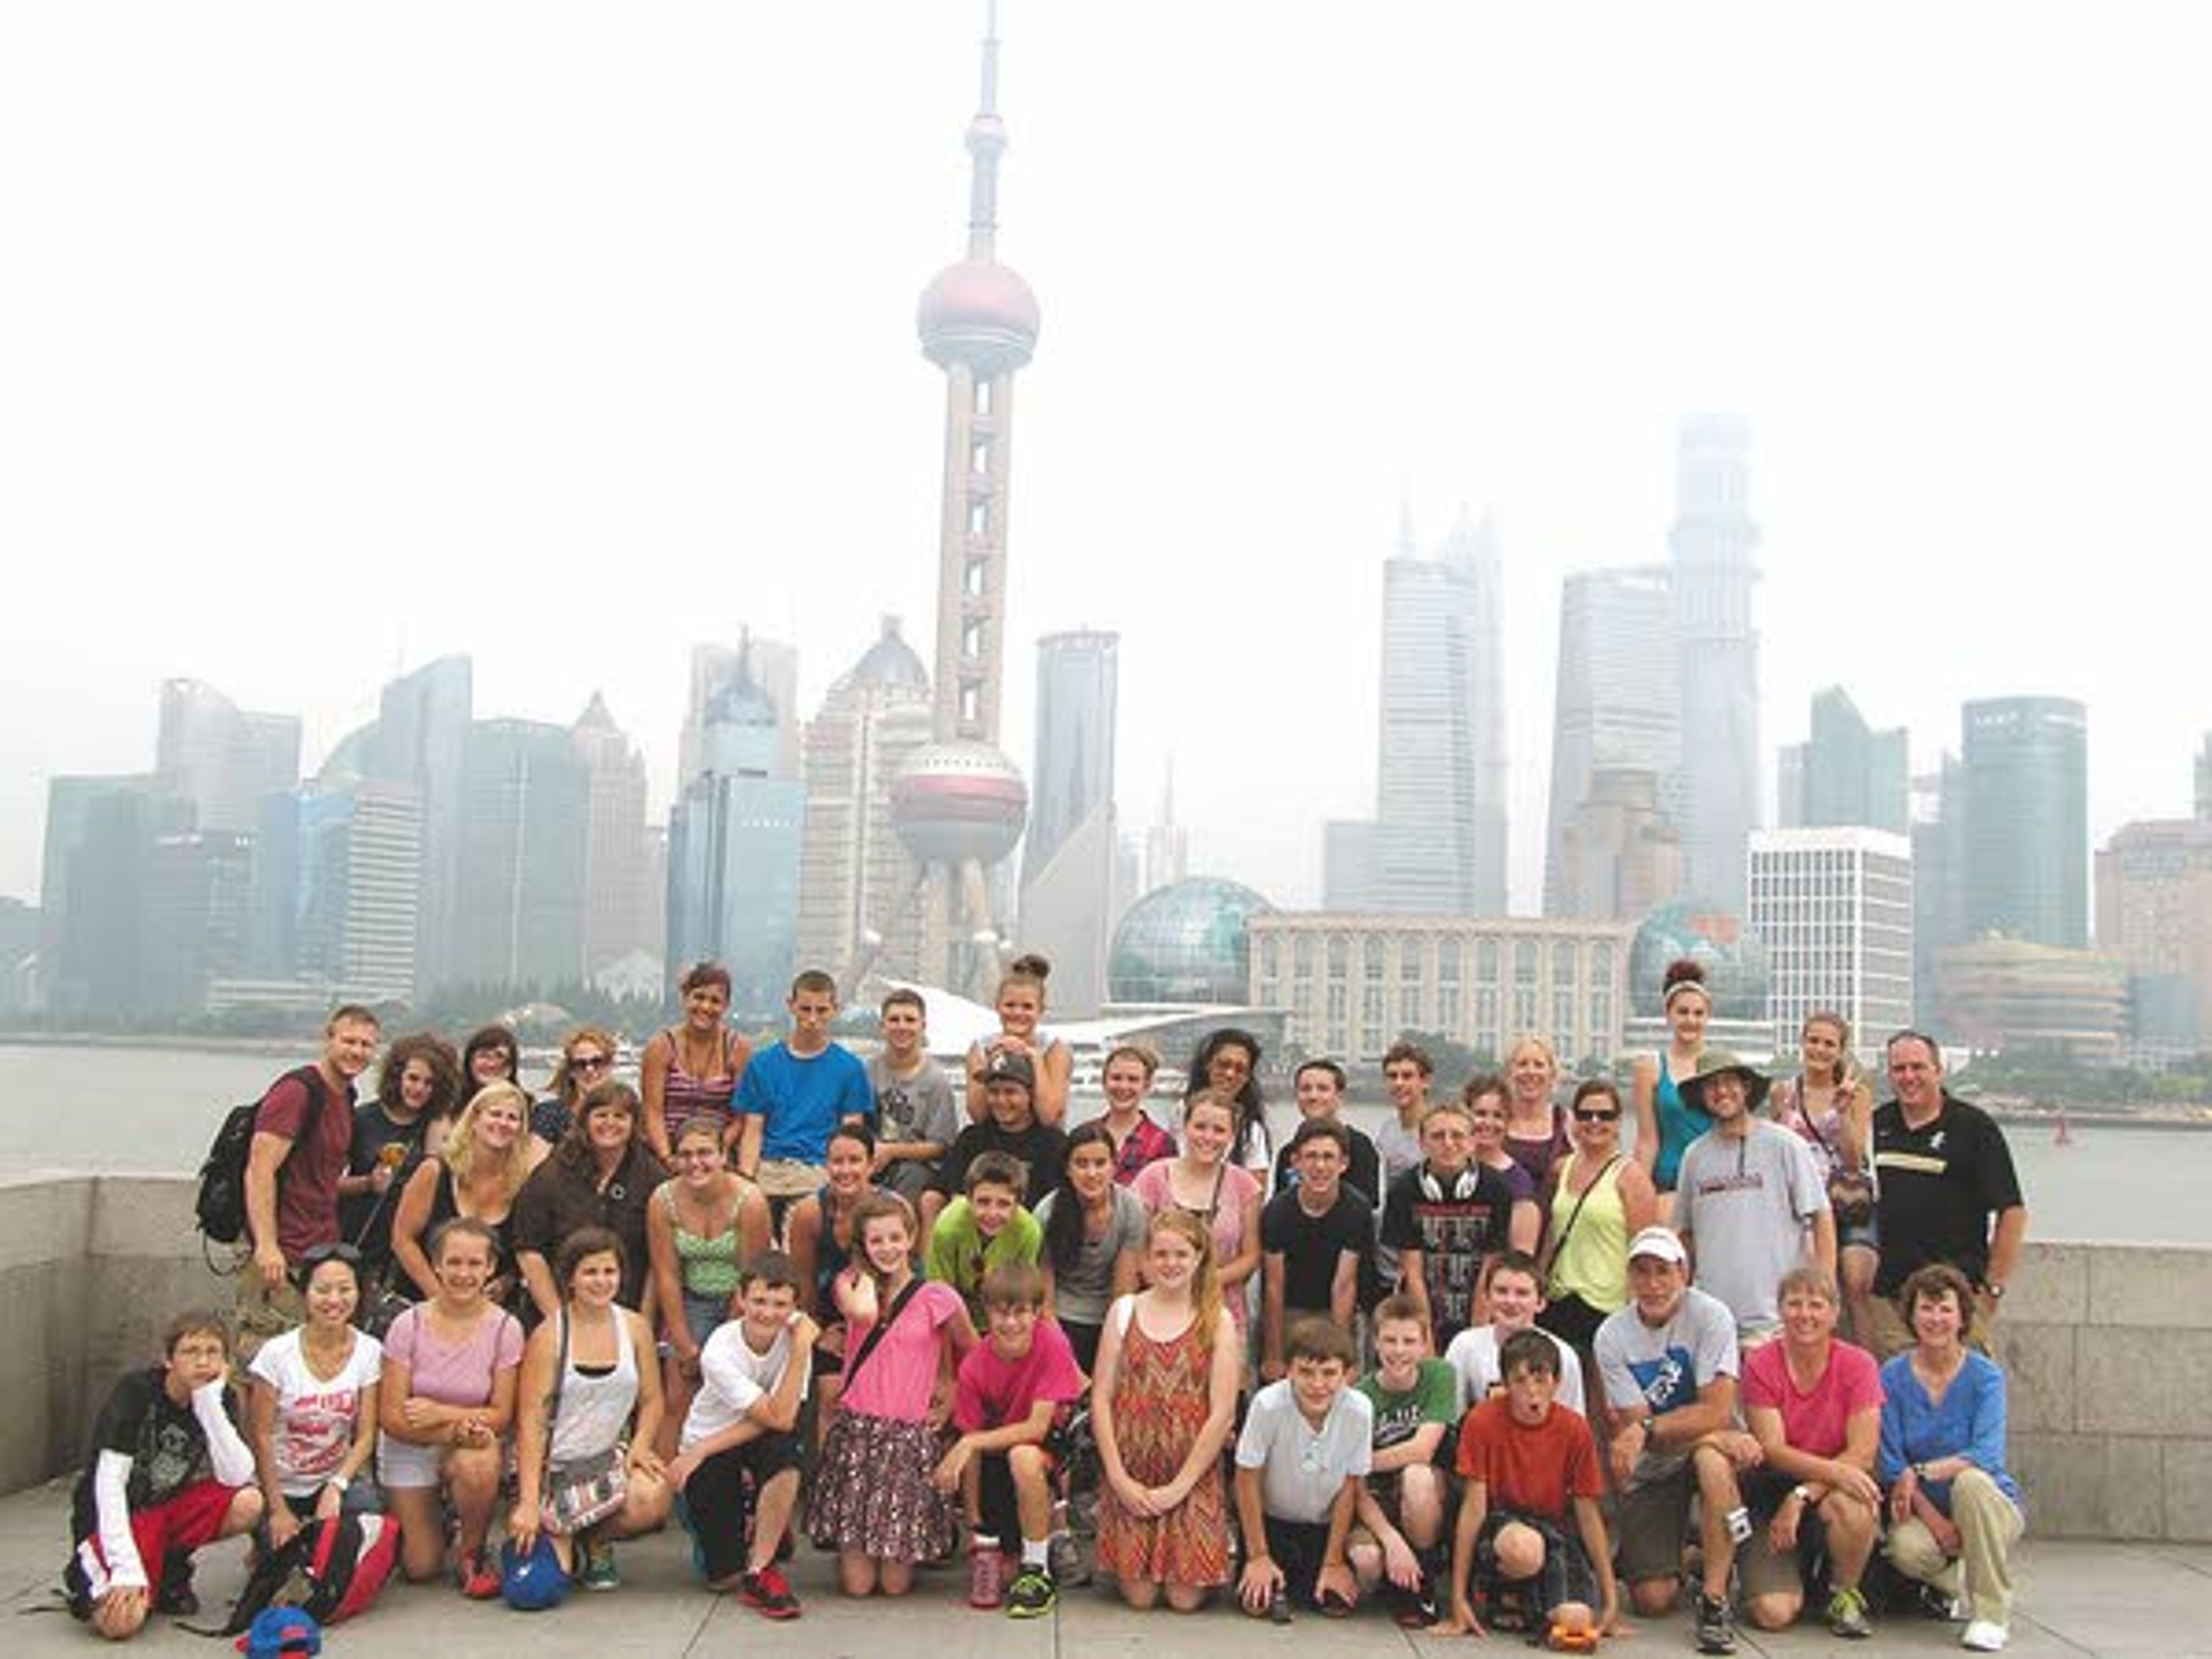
(987,141)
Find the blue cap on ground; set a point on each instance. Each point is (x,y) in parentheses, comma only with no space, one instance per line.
(534,1581)
(281,1633)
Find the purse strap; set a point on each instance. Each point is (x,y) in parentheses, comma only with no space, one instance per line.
(876,1331)
(1575,1215)
(553,1399)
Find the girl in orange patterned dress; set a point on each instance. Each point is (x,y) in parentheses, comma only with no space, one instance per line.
(1163,1398)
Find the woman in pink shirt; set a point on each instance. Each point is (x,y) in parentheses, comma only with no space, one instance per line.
(1814,1405)
(1204,1181)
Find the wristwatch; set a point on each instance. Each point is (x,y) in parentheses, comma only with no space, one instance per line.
(1802,1493)
(338,1481)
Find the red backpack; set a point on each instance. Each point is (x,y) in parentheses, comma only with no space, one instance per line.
(330,1569)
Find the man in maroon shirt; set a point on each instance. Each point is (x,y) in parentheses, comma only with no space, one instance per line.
(302,1136)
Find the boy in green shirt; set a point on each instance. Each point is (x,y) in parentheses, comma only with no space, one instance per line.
(1401,1508)
(989,1228)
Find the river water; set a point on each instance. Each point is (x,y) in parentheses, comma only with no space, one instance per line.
(152,1110)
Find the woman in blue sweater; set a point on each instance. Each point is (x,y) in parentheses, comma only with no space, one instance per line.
(1954,1512)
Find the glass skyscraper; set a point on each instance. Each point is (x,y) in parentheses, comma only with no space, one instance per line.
(2024,791)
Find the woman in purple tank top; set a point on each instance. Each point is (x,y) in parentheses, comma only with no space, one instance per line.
(690,1071)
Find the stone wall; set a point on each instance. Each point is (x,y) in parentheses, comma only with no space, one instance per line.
(2108,1346)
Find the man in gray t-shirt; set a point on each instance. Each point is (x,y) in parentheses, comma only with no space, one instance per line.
(1750,1200)
(1667,1363)
(916,1117)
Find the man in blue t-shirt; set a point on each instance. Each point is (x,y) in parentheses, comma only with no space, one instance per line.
(794,1094)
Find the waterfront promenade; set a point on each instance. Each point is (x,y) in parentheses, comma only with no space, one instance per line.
(2076,1598)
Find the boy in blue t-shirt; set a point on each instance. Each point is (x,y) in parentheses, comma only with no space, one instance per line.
(794,1094)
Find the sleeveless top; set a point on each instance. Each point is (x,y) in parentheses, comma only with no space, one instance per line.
(445,1206)
(685,1097)
(1592,1260)
(707,1264)
(1825,1136)
(595,1411)
(1680,1123)
(831,1258)
(1537,1157)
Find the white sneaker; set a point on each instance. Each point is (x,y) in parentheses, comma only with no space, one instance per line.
(1985,1635)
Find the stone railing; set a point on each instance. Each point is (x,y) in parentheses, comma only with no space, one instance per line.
(2107,1345)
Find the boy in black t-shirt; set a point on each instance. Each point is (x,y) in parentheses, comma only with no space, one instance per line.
(169,1472)
(1012,1127)
(1315,1236)
(1442,1217)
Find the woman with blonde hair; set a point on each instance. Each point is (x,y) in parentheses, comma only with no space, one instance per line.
(1163,1398)
(1021,1015)
(587,1059)
(477,1174)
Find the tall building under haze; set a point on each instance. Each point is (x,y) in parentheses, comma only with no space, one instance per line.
(1713,576)
(1438,846)
(526,829)
(1068,858)
(2024,794)
(768,665)
(1616,713)
(421,740)
(1845,772)
(959,806)
(616,897)
(858,885)
(222,759)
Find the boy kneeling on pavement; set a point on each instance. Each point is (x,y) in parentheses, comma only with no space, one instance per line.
(1302,1463)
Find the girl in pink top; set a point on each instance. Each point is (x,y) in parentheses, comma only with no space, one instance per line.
(873,1500)
(1205,1182)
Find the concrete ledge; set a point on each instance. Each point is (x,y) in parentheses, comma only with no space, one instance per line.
(2164,1287)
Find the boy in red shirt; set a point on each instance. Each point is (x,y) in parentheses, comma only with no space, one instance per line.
(1012,1399)
(1526,1461)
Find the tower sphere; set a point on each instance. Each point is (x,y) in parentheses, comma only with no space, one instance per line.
(980,313)
(959,800)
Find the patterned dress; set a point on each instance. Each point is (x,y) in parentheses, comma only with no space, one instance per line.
(1161,1400)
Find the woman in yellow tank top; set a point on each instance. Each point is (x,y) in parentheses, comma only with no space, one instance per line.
(1601,1198)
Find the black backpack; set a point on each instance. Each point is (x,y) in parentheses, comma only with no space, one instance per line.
(330,1569)
(219,1210)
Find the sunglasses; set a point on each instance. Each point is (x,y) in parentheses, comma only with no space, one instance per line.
(1583,1114)
(587,1062)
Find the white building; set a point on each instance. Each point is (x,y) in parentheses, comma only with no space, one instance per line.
(1835,908)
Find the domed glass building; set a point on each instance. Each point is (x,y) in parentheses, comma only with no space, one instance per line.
(1185,943)
(1733,957)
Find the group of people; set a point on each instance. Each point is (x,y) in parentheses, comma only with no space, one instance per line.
(1448,1366)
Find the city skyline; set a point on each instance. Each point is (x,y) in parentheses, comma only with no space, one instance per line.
(1954,415)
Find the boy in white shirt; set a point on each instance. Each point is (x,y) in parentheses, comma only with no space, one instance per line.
(744,1421)
(1513,1287)
(1302,1462)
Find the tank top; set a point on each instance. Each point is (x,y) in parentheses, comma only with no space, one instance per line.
(445,1206)
(1537,1157)
(1680,1123)
(595,1411)
(1825,1137)
(707,1264)
(831,1258)
(1591,1260)
(685,1099)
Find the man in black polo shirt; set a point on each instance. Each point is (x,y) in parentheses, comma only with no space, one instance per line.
(1944,1172)
(1315,1238)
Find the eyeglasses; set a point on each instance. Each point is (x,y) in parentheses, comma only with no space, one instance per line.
(1585,1115)
(587,1062)
(318,1254)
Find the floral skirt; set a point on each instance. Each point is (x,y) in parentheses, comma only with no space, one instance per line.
(872,1490)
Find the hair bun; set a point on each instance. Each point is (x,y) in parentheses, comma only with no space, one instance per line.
(1030,965)
(1684,971)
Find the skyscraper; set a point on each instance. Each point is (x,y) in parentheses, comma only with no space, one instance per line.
(1617,708)
(421,739)
(615,897)
(1834,906)
(959,804)
(1439,843)
(2024,766)
(526,824)
(733,850)
(221,759)
(857,882)
(1846,773)
(1713,576)
(1068,859)
(771,666)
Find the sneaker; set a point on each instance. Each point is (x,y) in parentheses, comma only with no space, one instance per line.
(479,1579)
(1064,1560)
(1034,1595)
(1414,1609)
(767,1593)
(1847,1615)
(986,1575)
(1716,1625)
(1985,1635)
(600,1573)
(1942,1604)
(177,1596)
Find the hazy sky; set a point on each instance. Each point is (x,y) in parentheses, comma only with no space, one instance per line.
(335,338)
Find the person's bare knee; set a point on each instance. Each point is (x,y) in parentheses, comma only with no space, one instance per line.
(1139,1593)
(895,1577)
(856,1573)
(1421,1503)
(244,1514)
(1520,1551)
(1186,1598)
(1776,1610)
(1653,1596)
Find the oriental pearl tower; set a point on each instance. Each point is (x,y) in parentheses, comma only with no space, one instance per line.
(959,804)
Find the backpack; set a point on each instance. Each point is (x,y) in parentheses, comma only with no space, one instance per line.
(328,1570)
(219,1208)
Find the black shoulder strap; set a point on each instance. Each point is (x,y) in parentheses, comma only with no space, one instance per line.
(876,1331)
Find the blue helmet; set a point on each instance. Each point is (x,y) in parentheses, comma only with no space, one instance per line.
(534,1581)
(281,1633)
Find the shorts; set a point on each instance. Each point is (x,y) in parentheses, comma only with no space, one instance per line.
(997,1501)
(1803,1569)
(1655,1519)
(401,1464)
(702,1314)
(718,1500)
(190,1518)
(1299,1548)
(1566,1574)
